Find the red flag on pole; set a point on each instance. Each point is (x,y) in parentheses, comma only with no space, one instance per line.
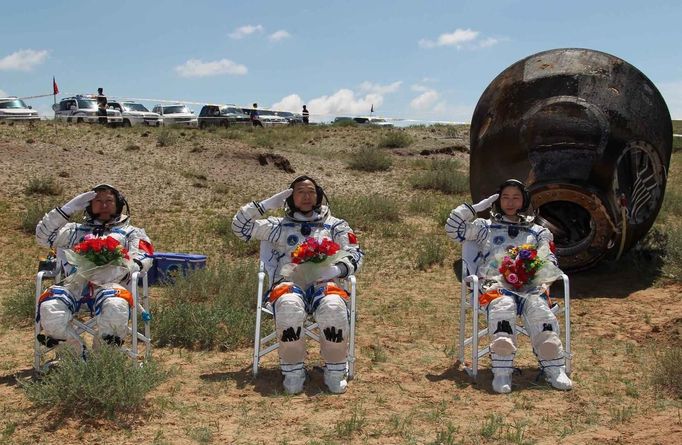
(55,88)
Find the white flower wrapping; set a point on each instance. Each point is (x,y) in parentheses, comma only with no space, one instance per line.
(308,273)
(544,276)
(87,272)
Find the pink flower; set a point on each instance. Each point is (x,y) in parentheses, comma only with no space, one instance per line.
(512,278)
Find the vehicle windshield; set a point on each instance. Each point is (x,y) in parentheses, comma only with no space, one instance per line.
(134,107)
(175,109)
(87,103)
(377,120)
(12,103)
(267,113)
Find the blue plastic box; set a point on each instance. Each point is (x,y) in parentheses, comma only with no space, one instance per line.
(168,265)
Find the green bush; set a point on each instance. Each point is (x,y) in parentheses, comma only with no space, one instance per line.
(431,250)
(234,245)
(19,307)
(43,186)
(395,139)
(106,385)
(166,137)
(366,212)
(442,175)
(666,373)
(209,308)
(35,210)
(370,159)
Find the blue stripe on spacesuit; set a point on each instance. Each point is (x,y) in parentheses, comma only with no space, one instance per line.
(62,295)
(276,232)
(246,226)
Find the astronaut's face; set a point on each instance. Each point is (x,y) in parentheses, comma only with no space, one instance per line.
(305,196)
(104,205)
(511,200)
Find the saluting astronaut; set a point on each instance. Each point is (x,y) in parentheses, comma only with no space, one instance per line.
(510,226)
(306,216)
(110,302)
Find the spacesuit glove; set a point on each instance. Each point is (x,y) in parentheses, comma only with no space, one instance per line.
(79,203)
(486,203)
(276,201)
(329,273)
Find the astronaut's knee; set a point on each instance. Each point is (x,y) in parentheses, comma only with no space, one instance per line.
(503,344)
(54,319)
(113,317)
(547,345)
(289,311)
(332,311)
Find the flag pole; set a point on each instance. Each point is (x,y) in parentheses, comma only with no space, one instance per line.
(55,90)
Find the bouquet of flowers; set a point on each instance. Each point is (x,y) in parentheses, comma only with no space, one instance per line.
(526,265)
(98,261)
(309,259)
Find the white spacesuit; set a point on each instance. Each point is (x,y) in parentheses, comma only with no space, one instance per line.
(324,298)
(509,227)
(110,302)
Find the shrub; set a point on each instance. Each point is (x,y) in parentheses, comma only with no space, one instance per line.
(366,212)
(166,137)
(35,210)
(395,139)
(43,186)
(431,251)
(666,373)
(105,385)
(370,160)
(442,175)
(209,308)
(19,307)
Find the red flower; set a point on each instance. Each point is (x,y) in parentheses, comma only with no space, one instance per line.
(314,250)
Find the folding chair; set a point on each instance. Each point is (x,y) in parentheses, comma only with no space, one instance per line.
(470,291)
(89,326)
(265,345)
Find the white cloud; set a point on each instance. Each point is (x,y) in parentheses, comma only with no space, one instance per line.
(369,87)
(23,60)
(292,102)
(246,30)
(279,35)
(2,93)
(197,68)
(425,100)
(672,93)
(460,38)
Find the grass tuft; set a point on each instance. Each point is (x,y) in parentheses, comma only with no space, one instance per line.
(370,159)
(442,175)
(43,186)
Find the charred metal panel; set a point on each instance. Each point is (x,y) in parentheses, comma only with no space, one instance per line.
(591,136)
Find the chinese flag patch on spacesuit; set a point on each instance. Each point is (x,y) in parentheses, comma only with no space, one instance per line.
(352,238)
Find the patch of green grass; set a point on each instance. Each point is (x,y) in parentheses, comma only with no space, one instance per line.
(430,250)
(19,307)
(370,159)
(366,212)
(345,428)
(107,385)
(209,308)
(166,137)
(442,175)
(234,245)
(447,436)
(395,139)
(666,373)
(43,186)
(35,210)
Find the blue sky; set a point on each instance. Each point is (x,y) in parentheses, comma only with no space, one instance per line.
(417,60)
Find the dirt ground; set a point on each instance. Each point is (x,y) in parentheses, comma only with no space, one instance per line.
(408,386)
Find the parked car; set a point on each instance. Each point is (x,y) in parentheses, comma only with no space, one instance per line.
(83,108)
(269,118)
(363,120)
(12,108)
(292,118)
(135,114)
(177,114)
(222,116)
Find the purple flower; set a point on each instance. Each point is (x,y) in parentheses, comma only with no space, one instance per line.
(525,254)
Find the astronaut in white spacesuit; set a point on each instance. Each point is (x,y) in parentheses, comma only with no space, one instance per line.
(511,226)
(306,217)
(110,302)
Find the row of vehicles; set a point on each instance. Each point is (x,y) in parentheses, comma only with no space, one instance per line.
(128,113)
(83,108)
